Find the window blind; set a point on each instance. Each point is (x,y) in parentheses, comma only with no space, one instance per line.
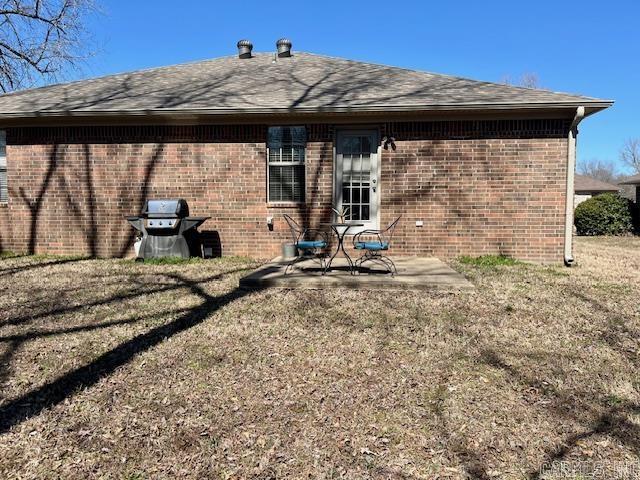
(4,187)
(286,164)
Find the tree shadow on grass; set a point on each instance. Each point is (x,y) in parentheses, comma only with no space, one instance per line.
(39,264)
(609,420)
(5,358)
(32,335)
(34,402)
(24,319)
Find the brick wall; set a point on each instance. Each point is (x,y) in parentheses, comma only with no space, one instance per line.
(480,187)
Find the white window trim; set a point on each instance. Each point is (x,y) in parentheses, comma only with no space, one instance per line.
(285,164)
(3,165)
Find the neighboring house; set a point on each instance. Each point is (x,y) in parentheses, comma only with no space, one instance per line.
(631,188)
(473,167)
(586,187)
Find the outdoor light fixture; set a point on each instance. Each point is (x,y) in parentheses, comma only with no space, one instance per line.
(386,141)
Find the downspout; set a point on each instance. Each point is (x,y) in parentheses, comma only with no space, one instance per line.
(571,171)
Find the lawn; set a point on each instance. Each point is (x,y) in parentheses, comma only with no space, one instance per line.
(113,369)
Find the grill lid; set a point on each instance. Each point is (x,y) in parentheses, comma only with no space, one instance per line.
(166,208)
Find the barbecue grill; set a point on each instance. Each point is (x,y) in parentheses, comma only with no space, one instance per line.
(165,226)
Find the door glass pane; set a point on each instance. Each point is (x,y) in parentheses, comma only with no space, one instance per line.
(356,176)
(346,197)
(356,195)
(346,163)
(366,162)
(365,144)
(350,145)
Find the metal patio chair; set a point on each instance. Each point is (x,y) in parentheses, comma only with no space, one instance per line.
(309,241)
(375,243)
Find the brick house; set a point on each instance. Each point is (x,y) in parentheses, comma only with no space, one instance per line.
(630,187)
(586,187)
(473,167)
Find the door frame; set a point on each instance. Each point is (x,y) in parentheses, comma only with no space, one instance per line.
(363,129)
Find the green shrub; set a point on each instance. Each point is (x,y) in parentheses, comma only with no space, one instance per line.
(605,214)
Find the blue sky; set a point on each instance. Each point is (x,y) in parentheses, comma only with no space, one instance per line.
(585,47)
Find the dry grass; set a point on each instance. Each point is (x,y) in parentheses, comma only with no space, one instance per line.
(110,369)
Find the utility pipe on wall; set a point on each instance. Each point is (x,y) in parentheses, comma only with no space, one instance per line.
(571,171)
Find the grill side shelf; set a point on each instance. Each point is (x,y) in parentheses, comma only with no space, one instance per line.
(136,222)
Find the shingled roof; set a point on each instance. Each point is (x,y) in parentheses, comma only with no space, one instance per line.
(632,180)
(303,83)
(584,183)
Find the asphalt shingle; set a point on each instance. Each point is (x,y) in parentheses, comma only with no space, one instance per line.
(584,183)
(302,83)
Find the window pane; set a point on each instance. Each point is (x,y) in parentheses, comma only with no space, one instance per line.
(286,145)
(280,136)
(286,183)
(275,192)
(298,154)
(275,155)
(298,180)
(3,148)
(365,212)
(299,135)
(287,192)
(274,137)
(287,154)
(4,191)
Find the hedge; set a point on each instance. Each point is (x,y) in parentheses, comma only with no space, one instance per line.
(605,214)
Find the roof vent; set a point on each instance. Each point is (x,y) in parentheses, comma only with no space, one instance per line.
(284,47)
(244,49)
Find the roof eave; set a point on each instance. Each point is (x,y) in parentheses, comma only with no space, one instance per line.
(592,190)
(591,107)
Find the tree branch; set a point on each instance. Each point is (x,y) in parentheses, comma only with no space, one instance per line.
(39,39)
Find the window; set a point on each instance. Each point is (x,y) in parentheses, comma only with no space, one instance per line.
(286,164)
(4,190)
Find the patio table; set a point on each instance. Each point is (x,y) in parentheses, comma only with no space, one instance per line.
(340,230)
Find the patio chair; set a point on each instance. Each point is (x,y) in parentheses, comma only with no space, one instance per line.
(374,243)
(309,241)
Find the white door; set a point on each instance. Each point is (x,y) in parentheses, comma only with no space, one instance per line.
(357,177)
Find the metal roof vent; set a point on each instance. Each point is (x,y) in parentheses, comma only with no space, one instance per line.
(284,47)
(244,49)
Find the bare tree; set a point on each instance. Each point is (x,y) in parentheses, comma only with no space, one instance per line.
(527,80)
(630,153)
(602,170)
(39,39)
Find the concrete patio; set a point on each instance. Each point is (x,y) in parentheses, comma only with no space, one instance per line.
(414,273)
